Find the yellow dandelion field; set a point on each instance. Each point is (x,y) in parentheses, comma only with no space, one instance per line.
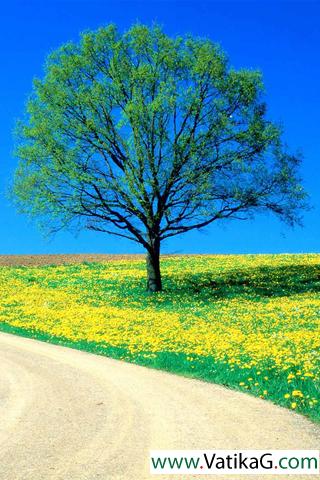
(247,321)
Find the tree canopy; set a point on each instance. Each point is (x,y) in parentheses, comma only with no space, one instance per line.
(146,137)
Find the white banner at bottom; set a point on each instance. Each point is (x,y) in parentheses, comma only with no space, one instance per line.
(246,462)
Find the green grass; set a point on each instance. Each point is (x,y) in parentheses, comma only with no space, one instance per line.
(237,303)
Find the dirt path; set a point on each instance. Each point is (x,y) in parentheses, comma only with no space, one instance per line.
(70,415)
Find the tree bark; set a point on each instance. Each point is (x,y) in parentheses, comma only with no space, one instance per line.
(154,283)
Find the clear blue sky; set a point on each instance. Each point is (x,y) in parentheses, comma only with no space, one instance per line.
(280,38)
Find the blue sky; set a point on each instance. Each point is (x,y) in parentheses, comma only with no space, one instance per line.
(282,39)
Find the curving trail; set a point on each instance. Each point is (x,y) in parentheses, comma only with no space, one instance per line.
(70,415)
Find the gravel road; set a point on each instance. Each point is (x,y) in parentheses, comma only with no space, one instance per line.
(70,415)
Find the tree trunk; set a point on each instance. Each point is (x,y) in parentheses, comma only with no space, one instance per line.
(153,268)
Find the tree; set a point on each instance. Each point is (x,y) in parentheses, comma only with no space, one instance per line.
(145,136)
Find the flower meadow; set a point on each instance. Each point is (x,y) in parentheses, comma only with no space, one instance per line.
(251,322)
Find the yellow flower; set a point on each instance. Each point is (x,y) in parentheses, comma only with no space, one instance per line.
(297,393)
